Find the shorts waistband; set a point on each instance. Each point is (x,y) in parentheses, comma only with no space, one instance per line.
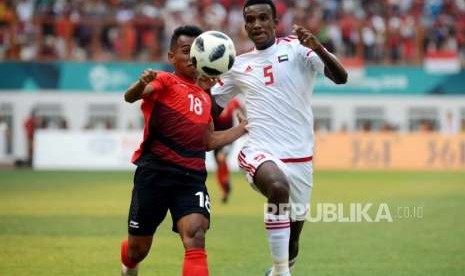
(297,160)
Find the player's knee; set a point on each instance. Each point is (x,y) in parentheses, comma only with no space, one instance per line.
(194,238)
(278,191)
(137,252)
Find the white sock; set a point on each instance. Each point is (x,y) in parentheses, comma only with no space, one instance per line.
(126,271)
(278,228)
(292,263)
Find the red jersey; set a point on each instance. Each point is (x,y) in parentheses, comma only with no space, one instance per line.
(30,125)
(176,124)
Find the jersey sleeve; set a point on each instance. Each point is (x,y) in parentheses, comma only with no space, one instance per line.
(225,89)
(310,59)
(233,105)
(159,85)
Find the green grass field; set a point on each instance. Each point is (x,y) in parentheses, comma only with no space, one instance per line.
(72,223)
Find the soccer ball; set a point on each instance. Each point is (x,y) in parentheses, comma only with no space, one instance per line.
(213,53)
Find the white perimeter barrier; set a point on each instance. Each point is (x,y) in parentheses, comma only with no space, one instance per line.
(2,142)
(97,150)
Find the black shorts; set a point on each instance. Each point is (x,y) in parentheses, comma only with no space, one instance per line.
(157,191)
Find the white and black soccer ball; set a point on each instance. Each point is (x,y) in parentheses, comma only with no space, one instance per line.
(213,53)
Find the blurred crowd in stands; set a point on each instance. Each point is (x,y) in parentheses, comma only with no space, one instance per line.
(377,31)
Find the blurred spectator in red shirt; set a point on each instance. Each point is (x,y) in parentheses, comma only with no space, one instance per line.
(30,125)
(393,31)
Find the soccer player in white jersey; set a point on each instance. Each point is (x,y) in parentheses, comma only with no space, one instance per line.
(277,79)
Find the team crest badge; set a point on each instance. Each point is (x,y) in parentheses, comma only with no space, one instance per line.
(259,157)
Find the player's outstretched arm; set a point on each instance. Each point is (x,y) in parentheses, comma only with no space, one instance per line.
(333,68)
(140,87)
(218,139)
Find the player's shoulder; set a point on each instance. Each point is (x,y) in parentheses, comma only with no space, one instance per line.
(290,39)
(165,77)
(173,79)
(288,42)
(292,43)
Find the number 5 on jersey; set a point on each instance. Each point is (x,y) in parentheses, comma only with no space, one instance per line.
(268,74)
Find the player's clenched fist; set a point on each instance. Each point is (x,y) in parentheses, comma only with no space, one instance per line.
(148,76)
(306,37)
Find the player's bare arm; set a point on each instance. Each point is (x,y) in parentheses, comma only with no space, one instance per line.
(218,139)
(141,86)
(333,68)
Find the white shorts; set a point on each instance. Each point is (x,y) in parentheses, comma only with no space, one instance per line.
(299,173)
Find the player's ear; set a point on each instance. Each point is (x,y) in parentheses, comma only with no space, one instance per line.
(171,56)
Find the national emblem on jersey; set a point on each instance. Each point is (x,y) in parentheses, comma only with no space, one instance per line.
(283,58)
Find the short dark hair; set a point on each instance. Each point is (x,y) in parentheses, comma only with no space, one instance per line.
(257,2)
(187,30)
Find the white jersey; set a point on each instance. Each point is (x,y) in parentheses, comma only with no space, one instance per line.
(277,83)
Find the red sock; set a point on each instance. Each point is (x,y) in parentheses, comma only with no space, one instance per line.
(223,175)
(195,262)
(124,255)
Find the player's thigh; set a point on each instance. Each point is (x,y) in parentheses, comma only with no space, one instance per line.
(149,202)
(267,175)
(300,190)
(191,223)
(261,169)
(190,197)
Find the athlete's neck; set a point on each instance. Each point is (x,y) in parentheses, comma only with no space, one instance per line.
(267,45)
(184,77)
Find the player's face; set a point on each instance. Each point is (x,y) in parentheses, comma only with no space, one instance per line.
(260,25)
(179,57)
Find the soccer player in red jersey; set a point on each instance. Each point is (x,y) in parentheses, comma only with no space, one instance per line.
(30,125)
(222,122)
(171,172)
